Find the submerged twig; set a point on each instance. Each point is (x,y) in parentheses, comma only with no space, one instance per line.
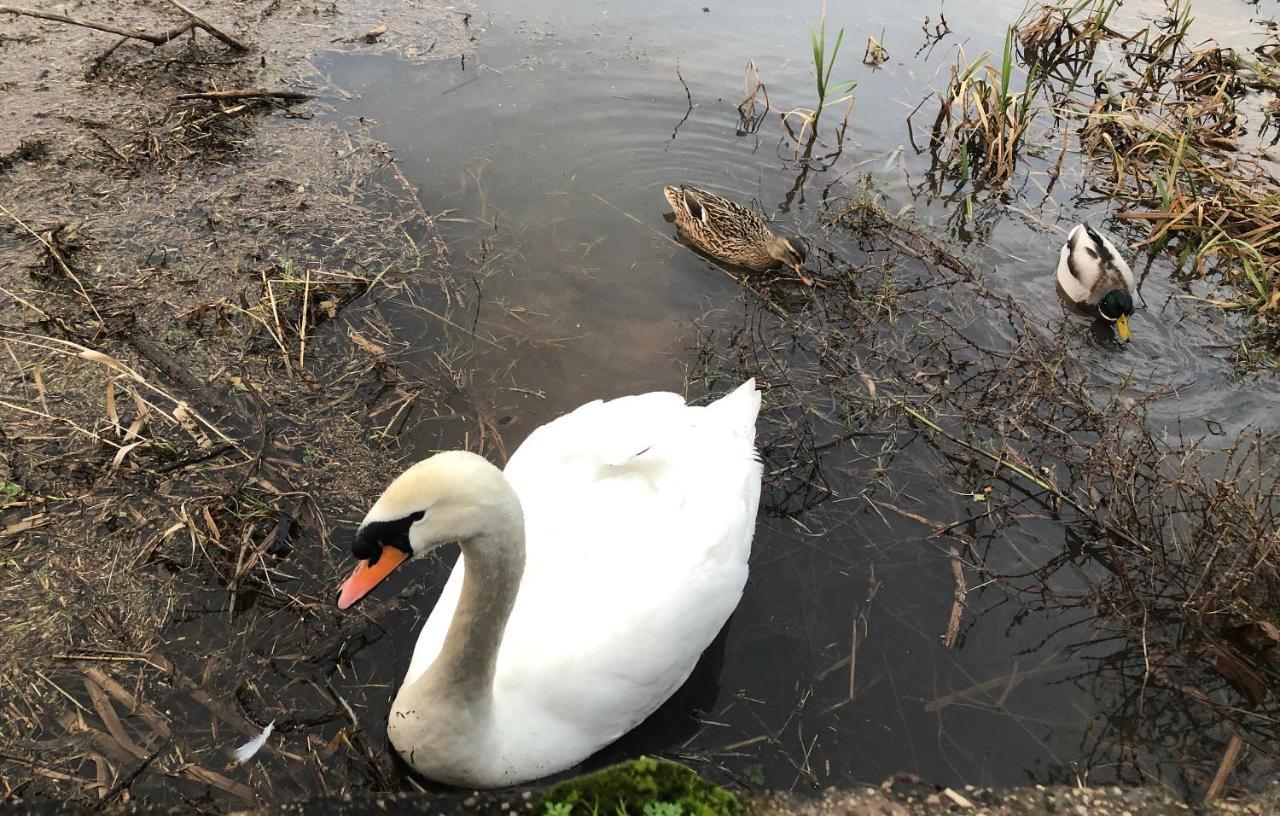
(286,96)
(133,34)
(1229,759)
(227,39)
(957,605)
(689,101)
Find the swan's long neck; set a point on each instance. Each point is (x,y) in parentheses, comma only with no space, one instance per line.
(493,563)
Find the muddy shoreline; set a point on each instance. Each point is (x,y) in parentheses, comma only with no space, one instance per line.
(185,261)
(924,800)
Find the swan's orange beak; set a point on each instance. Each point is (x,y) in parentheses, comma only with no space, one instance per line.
(366,576)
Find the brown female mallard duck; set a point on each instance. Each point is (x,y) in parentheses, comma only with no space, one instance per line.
(732,233)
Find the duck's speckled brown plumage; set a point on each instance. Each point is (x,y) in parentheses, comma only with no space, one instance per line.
(730,232)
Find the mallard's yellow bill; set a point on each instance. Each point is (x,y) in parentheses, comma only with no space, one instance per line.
(1122,327)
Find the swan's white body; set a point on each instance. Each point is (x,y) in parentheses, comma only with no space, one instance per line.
(638,519)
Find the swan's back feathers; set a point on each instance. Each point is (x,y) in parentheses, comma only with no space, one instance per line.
(639,514)
(737,411)
(604,433)
(631,431)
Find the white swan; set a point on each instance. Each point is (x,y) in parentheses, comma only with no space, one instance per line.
(593,574)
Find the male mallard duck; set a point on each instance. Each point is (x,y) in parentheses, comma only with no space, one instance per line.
(1093,274)
(732,233)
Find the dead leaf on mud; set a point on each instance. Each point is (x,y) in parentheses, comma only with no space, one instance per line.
(1239,673)
(366,344)
(182,415)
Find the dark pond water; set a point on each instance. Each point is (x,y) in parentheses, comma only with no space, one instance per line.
(549,148)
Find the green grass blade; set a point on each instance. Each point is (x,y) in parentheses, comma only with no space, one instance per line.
(835,50)
(1007,68)
(1253,277)
(818,46)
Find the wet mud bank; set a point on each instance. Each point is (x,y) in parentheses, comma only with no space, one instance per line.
(868,801)
(195,389)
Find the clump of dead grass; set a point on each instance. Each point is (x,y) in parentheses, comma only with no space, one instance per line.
(1166,137)
(982,120)
(1064,37)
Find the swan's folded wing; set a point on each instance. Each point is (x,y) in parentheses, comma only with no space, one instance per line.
(597,433)
(633,567)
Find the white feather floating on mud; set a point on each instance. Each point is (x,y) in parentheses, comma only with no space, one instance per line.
(245,752)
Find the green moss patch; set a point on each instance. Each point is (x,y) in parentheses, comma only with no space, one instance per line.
(642,787)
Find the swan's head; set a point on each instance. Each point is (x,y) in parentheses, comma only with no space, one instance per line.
(450,497)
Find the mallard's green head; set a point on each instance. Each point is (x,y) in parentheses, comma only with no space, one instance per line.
(1116,306)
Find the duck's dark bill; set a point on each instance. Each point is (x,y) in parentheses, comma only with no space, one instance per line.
(366,577)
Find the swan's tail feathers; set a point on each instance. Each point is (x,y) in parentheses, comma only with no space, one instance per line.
(739,408)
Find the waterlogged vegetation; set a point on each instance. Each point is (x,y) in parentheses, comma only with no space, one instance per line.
(1171,133)
(980,125)
(993,546)
(1168,570)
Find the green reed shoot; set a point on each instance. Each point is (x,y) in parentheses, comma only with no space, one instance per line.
(1006,68)
(824,64)
(1098,15)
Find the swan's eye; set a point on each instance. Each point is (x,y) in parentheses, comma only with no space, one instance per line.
(414,518)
